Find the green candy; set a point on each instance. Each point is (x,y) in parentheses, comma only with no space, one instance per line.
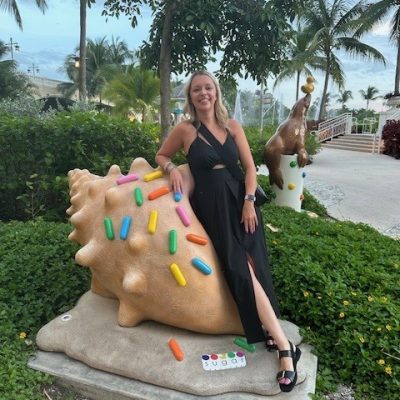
(293,164)
(138,196)
(108,225)
(173,241)
(242,342)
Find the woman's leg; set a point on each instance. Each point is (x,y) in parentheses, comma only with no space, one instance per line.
(268,318)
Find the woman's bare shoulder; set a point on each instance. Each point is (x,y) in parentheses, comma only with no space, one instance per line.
(234,127)
(183,127)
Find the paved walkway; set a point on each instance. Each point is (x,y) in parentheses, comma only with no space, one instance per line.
(358,187)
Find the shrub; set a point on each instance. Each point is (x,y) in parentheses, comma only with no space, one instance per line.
(339,282)
(38,281)
(391,138)
(257,141)
(37,155)
(23,106)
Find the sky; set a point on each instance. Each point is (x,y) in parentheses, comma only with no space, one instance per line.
(46,39)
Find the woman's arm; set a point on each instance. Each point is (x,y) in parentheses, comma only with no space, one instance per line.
(245,155)
(172,144)
(249,217)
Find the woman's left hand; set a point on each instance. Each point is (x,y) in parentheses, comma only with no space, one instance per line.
(249,217)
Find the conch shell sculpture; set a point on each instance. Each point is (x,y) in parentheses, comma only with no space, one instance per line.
(128,250)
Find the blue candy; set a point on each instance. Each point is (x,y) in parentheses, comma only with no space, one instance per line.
(177,196)
(125,226)
(201,266)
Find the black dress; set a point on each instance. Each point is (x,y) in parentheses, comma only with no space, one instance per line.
(218,202)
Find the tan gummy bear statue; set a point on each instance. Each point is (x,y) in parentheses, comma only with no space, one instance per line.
(136,270)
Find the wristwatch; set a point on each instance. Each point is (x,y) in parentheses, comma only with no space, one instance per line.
(250,197)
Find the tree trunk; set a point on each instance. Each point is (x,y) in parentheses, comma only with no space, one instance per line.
(165,69)
(397,78)
(82,52)
(322,108)
(297,85)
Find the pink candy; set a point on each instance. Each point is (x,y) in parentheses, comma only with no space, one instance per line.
(127,178)
(183,215)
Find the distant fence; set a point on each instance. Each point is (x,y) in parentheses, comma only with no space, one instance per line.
(333,127)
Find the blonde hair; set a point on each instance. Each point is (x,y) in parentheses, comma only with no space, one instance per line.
(220,112)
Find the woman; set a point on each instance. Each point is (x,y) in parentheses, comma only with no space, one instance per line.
(225,206)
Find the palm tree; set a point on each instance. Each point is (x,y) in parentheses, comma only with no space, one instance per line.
(369,94)
(302,56)
(82,49)
(377,12)
(11,7)
(344,97)
(119,52)
(103,61)
(134,89)
(334,25)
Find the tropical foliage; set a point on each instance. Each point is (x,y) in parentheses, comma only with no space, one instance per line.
(11,6)
(303,58)
(185,35)
(104,59)
(343,97)
(377,12)
(369,94)
(334,25)
(135,89)
(12,83)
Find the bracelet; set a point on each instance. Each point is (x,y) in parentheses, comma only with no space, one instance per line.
(169,166)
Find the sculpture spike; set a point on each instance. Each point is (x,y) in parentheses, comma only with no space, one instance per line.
(127,315)
(135,282)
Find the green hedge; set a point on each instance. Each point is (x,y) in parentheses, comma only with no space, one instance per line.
(38,281)
(37,154)
(339,281)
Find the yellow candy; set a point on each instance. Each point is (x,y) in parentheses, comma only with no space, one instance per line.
(291,186)
(177,273)
(152,225)
(153,175)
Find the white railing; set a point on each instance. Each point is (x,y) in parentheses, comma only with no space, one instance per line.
(368,125)
(383,117)
(333,127)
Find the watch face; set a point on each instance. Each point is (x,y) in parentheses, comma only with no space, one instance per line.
(250,197)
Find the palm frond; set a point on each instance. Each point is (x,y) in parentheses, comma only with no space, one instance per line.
(356,48)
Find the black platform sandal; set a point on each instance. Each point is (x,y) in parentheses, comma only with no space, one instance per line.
(270,345)
(291,375)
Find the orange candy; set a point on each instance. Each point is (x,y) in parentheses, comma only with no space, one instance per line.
(158,192)
(196,239)
(176,349)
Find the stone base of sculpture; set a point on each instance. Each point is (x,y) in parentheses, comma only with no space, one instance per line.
(90,333)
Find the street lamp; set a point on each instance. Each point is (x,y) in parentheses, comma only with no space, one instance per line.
(12,46)
(34,69)
(77,61)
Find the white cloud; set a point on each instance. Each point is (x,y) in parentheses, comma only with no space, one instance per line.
(381,28)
